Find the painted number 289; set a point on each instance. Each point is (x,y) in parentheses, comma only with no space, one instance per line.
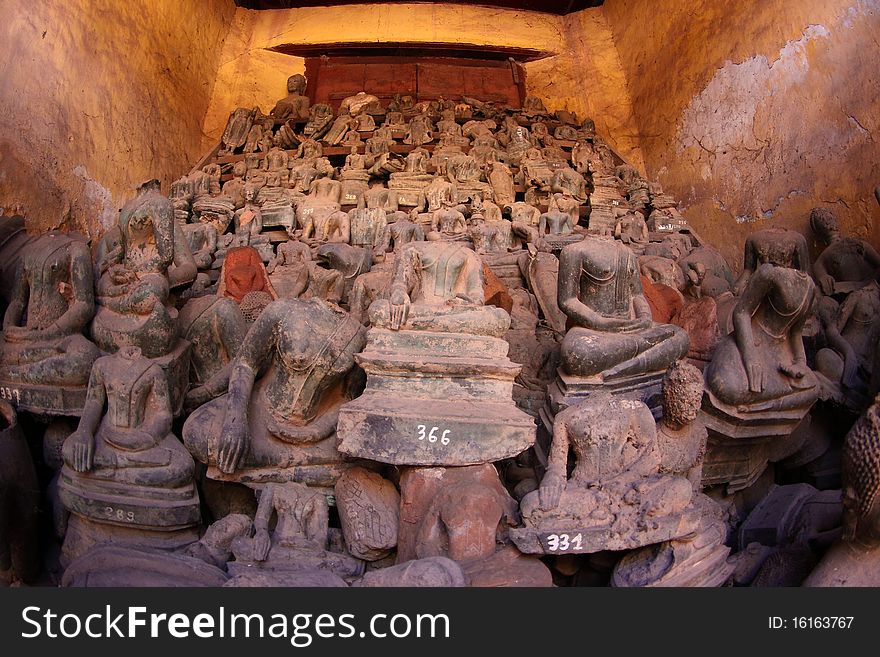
(431,435)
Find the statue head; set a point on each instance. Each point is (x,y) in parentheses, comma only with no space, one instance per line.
(861,478)
(682,393)
(250,193)
(239,169)
(824,224)
(296,84)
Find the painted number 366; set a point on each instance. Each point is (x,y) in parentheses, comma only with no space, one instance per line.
(431,436)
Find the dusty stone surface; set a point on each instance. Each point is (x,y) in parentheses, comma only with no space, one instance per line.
(427,572)
(369,512)
(458,513)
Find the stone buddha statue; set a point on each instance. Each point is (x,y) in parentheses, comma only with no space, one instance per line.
(435,353)
(133,290)
(446,280)
(855,559)
(51,303)
(285,388)
(296,105)
(758,384)
(611,333)
(615,498)
(122,466)
(847,262)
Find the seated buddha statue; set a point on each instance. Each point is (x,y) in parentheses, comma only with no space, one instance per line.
(285,389)
(133,289)
(847,262)
(611,333)
(51,303)
(447,280)
(615,497)
(762,365)
(123,465)
(296,105)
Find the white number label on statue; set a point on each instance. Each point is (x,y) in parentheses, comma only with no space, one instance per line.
(120,515)
(432,436)
(564,542)
(10,394)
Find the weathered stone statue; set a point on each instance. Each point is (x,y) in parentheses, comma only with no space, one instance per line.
(854,560)
(134,307)
(358,103)
(758,385)
(612,342)
(433,330)
(299,539)
(615,498)
(847,262)
(44,357)
(215,327)
(320,117)
(126,477)
(501,180)
(852,333)
(237,129)
(296,105)
(281,424)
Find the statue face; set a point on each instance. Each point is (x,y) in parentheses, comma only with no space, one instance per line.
(296,84)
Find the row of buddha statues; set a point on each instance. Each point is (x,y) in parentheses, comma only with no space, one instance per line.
(277,375)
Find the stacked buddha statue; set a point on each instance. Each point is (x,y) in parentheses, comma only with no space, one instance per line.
(133,292)
(44,357)
(439,382)
(126,477)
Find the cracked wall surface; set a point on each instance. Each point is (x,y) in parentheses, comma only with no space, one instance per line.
(753,113)
(97,96)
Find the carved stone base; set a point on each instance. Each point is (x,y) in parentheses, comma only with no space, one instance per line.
(742,442)
(584,540)
(44,400)
(127,505)
(435,399)
(83,534)
(568,390)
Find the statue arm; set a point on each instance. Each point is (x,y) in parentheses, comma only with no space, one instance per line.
(157,422)
(542,225)
(254,353)
(758,288)
(78,450)
(553,483)
(82,307)
(821,275)
(19,300)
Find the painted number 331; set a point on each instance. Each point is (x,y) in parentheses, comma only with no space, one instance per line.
(431,436)
(564,542)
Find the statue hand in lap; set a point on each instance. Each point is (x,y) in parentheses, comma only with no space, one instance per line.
(233,439)
(400,303)
(79,451)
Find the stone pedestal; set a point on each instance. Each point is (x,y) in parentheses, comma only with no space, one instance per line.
(44,400)
(568,390)
(84,533)
(435,399)
(354,184)
(570,539)
(409,187)
(742,442)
